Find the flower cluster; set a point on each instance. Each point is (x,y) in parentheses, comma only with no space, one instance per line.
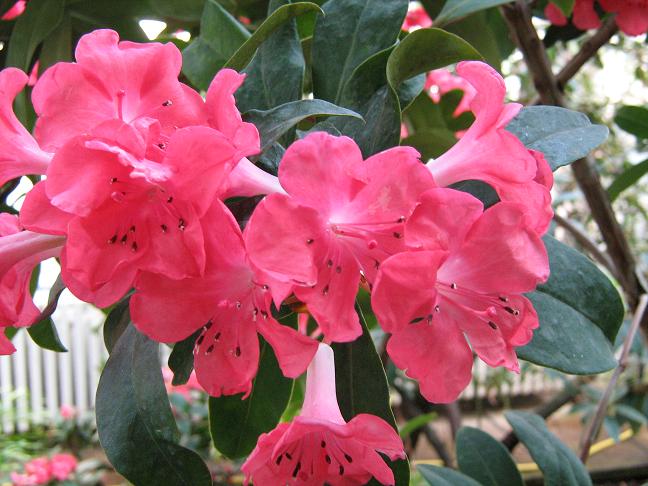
(631,15)
(138,167)
(44,470)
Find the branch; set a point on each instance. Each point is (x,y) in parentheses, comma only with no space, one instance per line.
(601,409)
(518,17)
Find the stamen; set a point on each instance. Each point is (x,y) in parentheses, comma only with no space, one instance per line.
(124,239)
(492,325)
(296,470)
(278,460)
(503,299)
(341,470)
(309,241)
(237,351)
(200,339)
(134,246)
(209,349)
(329,263)
(348,458)
(208,325)
(338,269)
(325,290)
(510,310)
(170,199)
(113,180)
(112,240)
(437,308)
(217,336)
(181,224)
(164,228)
(323,444)
(288,456)
(453,286)
(328,459)
(397,235)
(167,103)
(132,229)
(161,145)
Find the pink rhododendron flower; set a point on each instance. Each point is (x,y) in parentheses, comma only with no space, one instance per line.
(632,15)
(184,390)
(488,152)
(342,215)
(319,447)
(129,202)
(231,302)
(62,466)
(16,10)
(37,471)
(442,81)
(584,16)
(113,80)
(68,412)
(416,18)
(464,277)
(20,153)
(20,252)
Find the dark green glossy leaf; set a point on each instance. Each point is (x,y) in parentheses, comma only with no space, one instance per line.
(44,332)
(558,463)
(181,359)
(580,313)
(485,459)
(627,179)
(481,190)
(57,46)
(425,50)
(237,424)
(431,143)
(362,387)
(563,135)
(134,420)
(283,14)
(116,323)
(443,476)
(454,10)
(273,123)
(634,120)
(185,10)
(350,32)
(220,36)
(276,73)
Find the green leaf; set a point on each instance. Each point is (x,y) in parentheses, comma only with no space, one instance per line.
(563,135)
(485,459)
(220,36)
(627,179)
(185,10)
(481,190)
(134,419)
(443,476)
(431,143)
(116,323)
(57,46)
(567,6)
(454,10)
(634,120)
(44,332)
(362,387)
(557,462)
(631,414)
(181,359)
(283,14)
(580,312)
(416,423)
(276,73)
(350,32)
(425,50)
(236,424)
(273,123)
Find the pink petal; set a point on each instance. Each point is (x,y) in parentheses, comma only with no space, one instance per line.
(320,399)
(38,214)
(437,355)
(377,434)
(6,347)
(585,16)
(555,15)
(249,180)
(293,350)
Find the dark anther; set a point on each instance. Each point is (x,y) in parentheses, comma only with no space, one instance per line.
(209,324)
(397,234)
(265,287)
(296,470)
(209,349)
(238,305)
(162,145)
(181,224)
(278,460)
(264,314)
(200,339)
(328,459)
(124,239)
(348,458)
(112,240)
(237,351)
(338,269)
(437,308)
(132,229)
(510,310)
(341,469)
(134,246)
(217,336)
(401,219)
(329,263)
(164,228)
(309,241)
(503,299)
(429,318)
(167,103)
(255,311)
(325,290)
(376,264)
(113,180)
(170,199)
(453,286)
(492,325)
(323,444)
(288,456)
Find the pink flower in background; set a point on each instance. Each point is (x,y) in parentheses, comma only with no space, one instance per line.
(489,153)
(20,252)
(442,81)
(584,16)
(20,153)
(231,302)
(632,15)
(416,18)
(185,390)
(68,412)
(16,10)
(62,466)
(465,275)
(319,446)
(342,215)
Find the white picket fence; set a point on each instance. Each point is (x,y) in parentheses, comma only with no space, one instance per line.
(35,383)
